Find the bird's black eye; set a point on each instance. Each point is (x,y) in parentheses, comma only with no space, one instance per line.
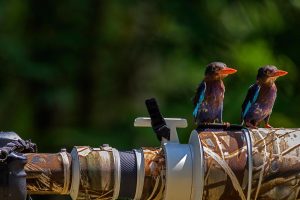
(216,68)
(267,72)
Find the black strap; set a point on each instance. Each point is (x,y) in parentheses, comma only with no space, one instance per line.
(157,121)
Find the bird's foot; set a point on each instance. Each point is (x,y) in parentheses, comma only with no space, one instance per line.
(249,125)
(267,125)
(226,124)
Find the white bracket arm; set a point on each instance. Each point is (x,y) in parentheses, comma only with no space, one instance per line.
(172,123)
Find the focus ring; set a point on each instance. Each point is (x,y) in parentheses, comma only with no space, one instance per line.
(128,174)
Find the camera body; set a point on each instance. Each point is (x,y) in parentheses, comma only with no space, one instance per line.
(12,173)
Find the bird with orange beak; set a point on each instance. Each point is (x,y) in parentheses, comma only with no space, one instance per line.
(261,96)
(209,97)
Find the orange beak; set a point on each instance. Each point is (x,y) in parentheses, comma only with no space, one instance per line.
(279,73)
(227,70)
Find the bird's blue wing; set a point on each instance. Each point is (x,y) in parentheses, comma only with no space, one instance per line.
(250,99)
(199,96)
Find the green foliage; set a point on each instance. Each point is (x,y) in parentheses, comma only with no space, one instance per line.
(78,72)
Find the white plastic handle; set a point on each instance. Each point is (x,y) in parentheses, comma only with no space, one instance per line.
(172,123)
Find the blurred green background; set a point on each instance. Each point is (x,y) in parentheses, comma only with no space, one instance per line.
(78,72)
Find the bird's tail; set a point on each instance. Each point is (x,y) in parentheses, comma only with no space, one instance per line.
(242,118)
(242,122)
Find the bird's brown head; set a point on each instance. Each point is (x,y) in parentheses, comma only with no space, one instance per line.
(218,71)
(269,73)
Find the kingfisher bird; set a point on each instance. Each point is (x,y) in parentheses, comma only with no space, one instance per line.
(261,96)
(208,100)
